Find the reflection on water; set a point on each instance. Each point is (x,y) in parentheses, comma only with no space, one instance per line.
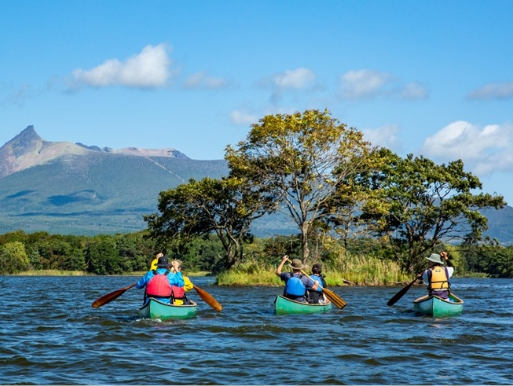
(50,334)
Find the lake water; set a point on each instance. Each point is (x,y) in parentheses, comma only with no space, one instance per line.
(50,334)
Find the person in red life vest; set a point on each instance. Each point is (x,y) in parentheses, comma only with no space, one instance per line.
(178,295)
(296,283)
(159,282)
(436,276)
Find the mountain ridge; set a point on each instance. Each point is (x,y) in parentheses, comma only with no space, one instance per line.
(28,149)
(67,188)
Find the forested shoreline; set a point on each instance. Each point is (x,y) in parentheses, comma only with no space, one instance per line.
(359,262)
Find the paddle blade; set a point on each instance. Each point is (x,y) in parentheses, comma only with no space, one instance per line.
(334,298)
(400,294)
(209,299)
(111,296)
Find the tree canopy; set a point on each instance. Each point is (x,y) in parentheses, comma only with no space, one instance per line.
(418,204)
(299,160)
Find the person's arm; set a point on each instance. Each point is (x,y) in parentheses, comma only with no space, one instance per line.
(445,256)
(144,280)
(187,284)
(425,277)
(280,267)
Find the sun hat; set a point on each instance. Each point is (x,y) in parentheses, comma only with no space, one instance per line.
(297,264)
(163,262)
(435,258)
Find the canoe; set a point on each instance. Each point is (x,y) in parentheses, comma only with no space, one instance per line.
(155,309)
(284,305)
(438,307)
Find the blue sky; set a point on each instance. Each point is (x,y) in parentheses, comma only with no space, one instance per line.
(423,77)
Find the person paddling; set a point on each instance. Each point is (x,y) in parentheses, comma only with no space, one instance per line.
(296,283)
(316,296)
(159,282)
(436,276)
(178,295)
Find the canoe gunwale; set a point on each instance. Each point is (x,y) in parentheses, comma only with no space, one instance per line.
(167,311)
(295,307)
(436,306)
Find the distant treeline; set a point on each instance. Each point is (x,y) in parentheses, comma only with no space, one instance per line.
(127,253)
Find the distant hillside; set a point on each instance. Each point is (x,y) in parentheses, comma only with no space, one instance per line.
(73,189)
(66,188)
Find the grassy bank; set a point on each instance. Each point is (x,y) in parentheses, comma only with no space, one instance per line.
(350,270)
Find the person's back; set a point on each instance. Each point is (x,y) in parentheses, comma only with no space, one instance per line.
(159,282)
(296,283)
(436,276)
(178,295)
(316,296)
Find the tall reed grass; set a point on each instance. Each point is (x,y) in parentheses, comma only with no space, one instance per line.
(348,269)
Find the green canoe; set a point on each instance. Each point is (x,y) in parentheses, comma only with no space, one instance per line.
(438,307)
(155,309)
(288,306)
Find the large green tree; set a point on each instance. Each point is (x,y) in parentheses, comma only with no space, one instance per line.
(225,207)
(299,160)
(419,204)
(13,257)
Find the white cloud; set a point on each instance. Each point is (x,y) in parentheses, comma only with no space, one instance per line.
(493,91)
(290,80)
(19,96)
(363,83)
(385,136)
(148,69)
(360,84)
(482,149)
(413,91)
(200,80)
(299,78)
(243,118)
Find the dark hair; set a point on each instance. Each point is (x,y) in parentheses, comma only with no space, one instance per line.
(316,269)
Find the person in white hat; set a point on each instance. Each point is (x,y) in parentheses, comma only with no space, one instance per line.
(436,276)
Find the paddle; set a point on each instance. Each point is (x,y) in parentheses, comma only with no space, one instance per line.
(209,299)
(332,296)
(111,296)
(401,293)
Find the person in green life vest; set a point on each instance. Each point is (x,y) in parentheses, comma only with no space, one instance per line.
(436,276)
(155,261)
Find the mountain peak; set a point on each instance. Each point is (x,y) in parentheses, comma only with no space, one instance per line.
(28,149)
(26,140)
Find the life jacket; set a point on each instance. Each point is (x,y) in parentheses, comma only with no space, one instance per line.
(295,286)
(320,280)
(438,278)
(177,292)
(159,286)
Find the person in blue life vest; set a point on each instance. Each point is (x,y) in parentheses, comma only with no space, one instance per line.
(437,276)
(316,296)
(296,284)
(159,282)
